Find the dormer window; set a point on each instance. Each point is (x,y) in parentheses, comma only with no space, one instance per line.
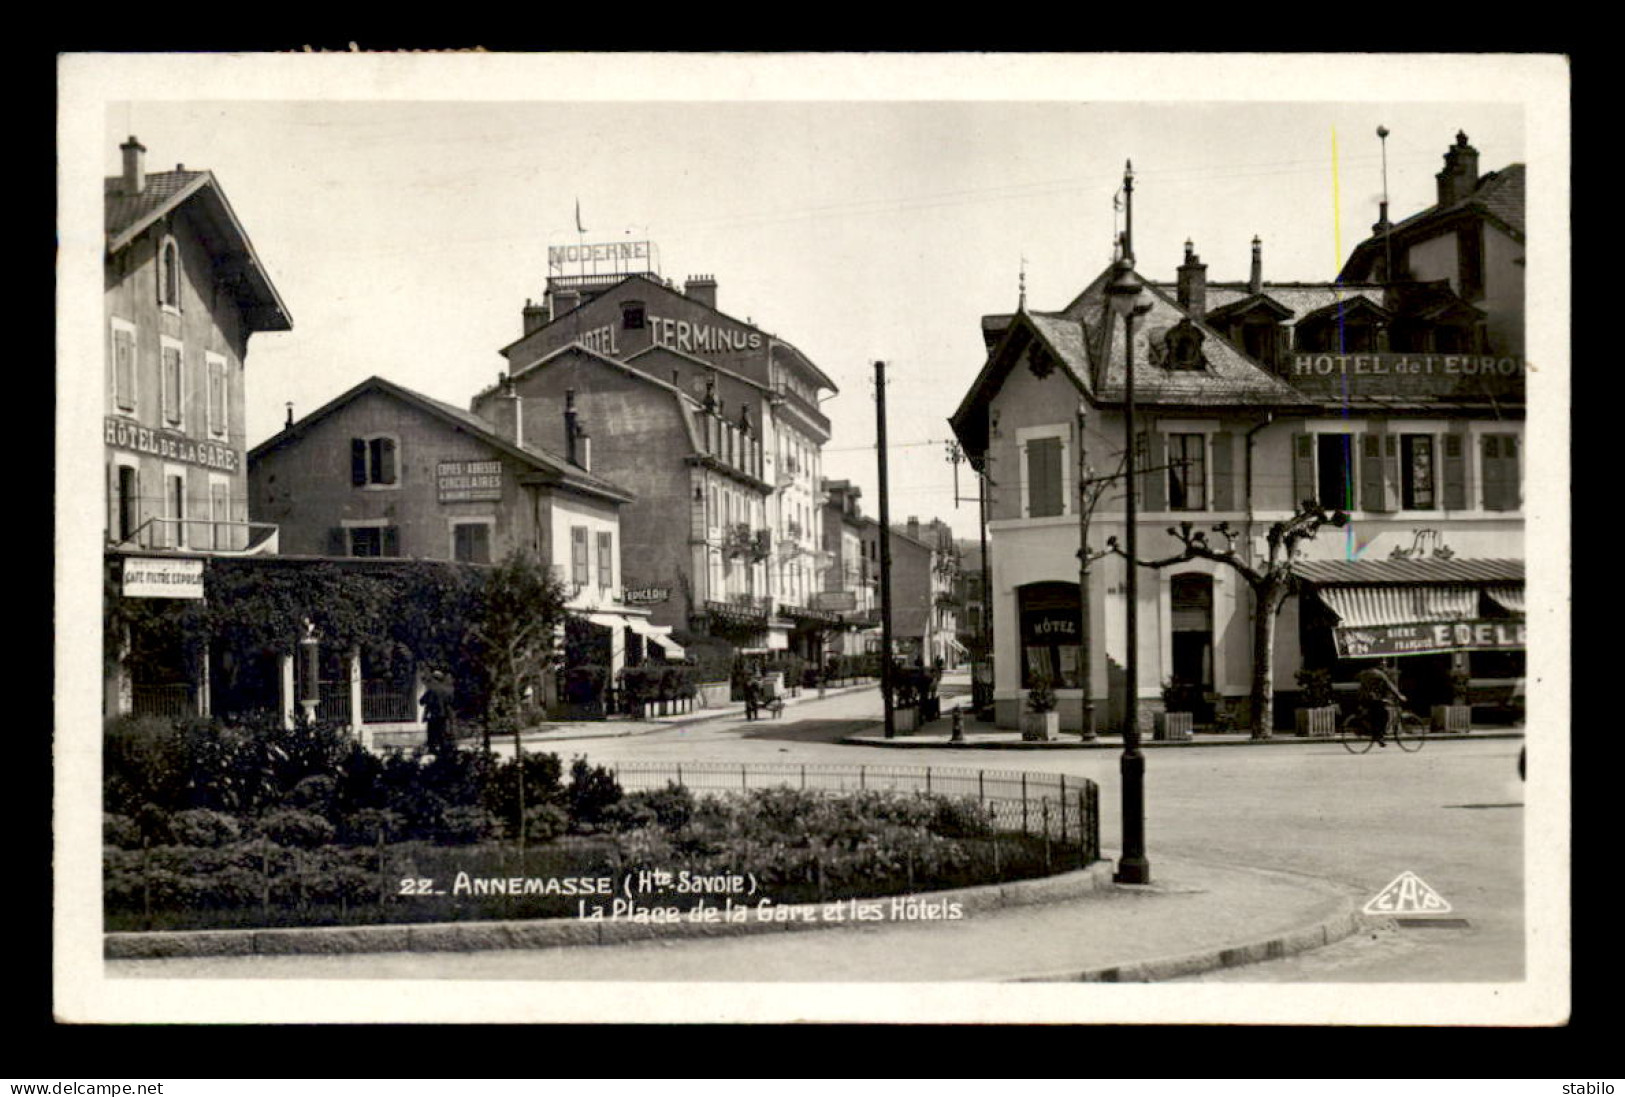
(1259,342)
(1182,347)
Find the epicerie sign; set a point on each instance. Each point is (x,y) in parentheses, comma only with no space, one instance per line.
(645,596)
(148,578)
(123,434)
(468,481)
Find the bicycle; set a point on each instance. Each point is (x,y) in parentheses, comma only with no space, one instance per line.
(1409,731)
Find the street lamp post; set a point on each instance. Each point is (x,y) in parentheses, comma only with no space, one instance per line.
(1124,295)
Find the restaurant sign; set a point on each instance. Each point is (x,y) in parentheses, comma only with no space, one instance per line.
(468,481)
(150,578)
(1430,637)
(645,596)
(170,445)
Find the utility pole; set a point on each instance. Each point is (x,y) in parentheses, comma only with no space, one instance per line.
(1086,658)
(885,552)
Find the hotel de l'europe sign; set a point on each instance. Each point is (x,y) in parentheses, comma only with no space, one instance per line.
(1465,375)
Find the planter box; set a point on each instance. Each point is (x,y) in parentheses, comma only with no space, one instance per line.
(1173,727)
(905,719)
(1452,719)
(1040,727)
(714,694)
(1317,723)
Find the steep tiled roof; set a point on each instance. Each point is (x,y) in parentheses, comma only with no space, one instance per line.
(1230,379)
(124,210)
(1498,195)
(1302,298)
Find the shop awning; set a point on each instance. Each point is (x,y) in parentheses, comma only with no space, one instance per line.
(658,634)
(1367,606)
(1508,597)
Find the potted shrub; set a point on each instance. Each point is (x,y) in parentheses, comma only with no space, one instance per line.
(1040,723)
(1316,716)
(1456,718)
(1179,701)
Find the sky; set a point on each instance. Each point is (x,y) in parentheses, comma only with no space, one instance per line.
(406,234)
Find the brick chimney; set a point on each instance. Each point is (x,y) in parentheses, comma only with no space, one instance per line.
(535,316)
(1193,283)
(701,288)
(135,166)
(1255,281)
(505,412)
(577,445)
(1460,175)
(914,528)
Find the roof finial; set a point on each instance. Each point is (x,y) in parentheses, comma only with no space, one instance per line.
(1021,285)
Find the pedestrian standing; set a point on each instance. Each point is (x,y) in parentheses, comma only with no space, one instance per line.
(436,702)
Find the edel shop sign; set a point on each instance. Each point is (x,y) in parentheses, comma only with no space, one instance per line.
(1427,638)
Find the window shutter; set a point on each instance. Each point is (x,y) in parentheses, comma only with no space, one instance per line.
(124,369)
(1510,481)
(1390,472)
(1303,468)
(391,541)
(1044,477)
(1493,471)
(1371,471)
(383,460)
(1455,472)
(606,561)
(1155,477)
(358,461)
(338,541)
(578,555)
(1224,475)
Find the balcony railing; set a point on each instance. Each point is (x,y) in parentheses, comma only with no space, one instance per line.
(168,701)
(201,535)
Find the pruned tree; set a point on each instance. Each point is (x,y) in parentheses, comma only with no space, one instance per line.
(1272,580)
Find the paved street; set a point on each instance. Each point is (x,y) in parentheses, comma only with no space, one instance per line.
(1452,814)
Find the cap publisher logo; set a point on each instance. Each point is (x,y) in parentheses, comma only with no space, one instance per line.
(1408,893)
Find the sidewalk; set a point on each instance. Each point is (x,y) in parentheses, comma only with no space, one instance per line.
(1193,917)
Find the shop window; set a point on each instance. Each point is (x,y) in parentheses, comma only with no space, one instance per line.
(1416,472)
(1045,494)
(471,542)
(373,461)
(1049,634)
(1187,472)
(1334,471)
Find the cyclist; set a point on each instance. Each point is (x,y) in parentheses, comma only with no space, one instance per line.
(1377,692)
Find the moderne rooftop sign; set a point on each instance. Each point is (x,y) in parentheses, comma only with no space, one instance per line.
(1407,374)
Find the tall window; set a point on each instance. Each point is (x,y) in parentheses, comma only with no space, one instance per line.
(1470,261)
(169,274)
(372,461)
(606,559)
(175,509)
(579,564)
(215,367)
(471,542)
(1417,472)
(1187,472)
(220,511)
(1500,472)
(171,384)
(1044,495)
(123,367)
(1334,477)
(128,494)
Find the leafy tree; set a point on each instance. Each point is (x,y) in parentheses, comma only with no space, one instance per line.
(1272,581)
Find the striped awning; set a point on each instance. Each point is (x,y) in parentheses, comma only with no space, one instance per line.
(1367,606)
(1508,597)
